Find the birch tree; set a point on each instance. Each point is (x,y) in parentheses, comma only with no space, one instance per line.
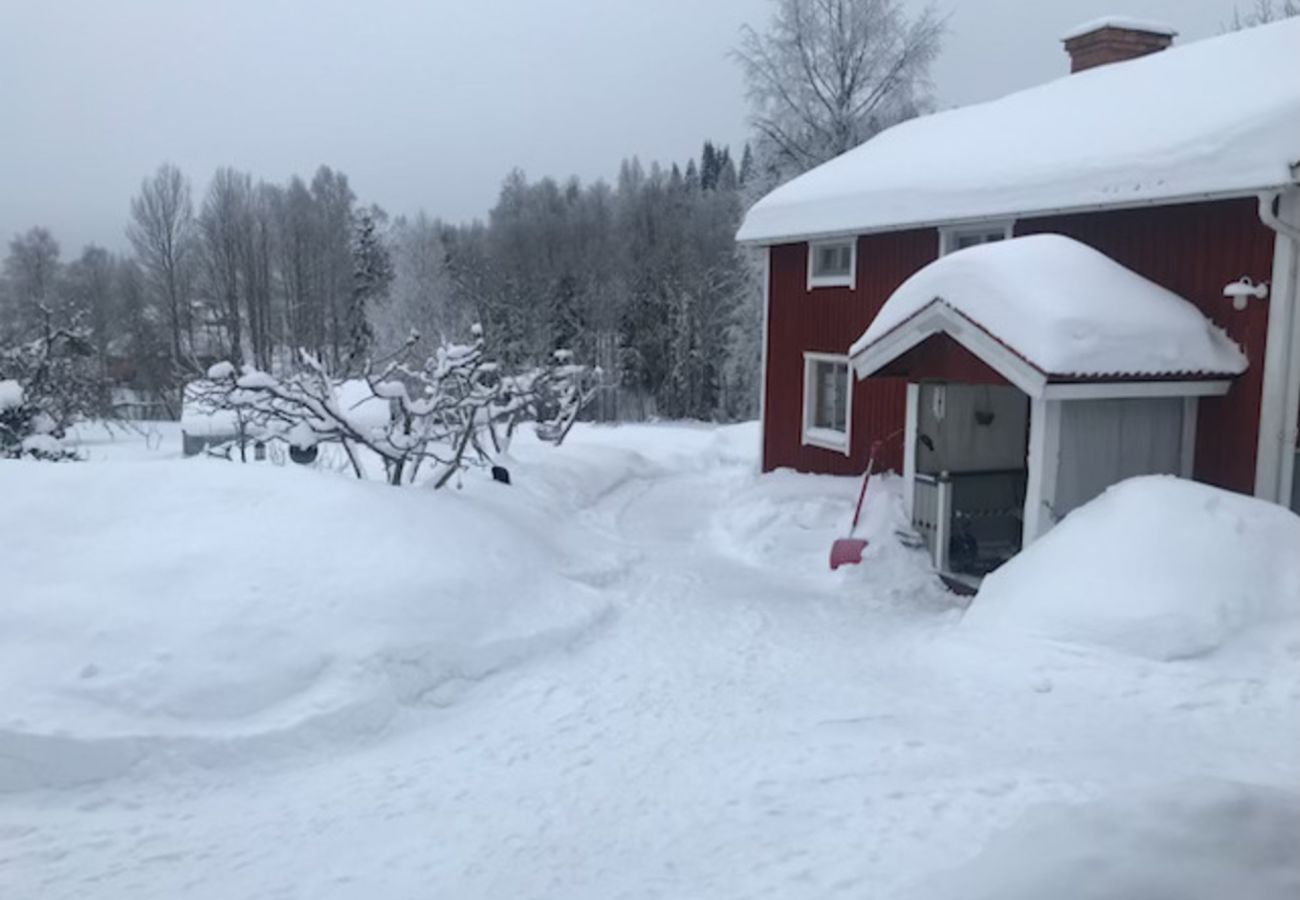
(161,231)
(826,75)
(33,270)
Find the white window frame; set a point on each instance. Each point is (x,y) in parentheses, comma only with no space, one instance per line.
(825,438)
(950,234)
(849,281)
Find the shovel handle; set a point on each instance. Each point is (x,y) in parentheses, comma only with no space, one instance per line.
(862,492)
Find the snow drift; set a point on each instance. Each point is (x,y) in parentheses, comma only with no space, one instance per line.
(196,612)
(1158,567)
(1199,840)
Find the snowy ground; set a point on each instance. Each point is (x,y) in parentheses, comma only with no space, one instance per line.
(629,675)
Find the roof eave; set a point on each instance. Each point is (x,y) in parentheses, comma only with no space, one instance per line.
(1016,215)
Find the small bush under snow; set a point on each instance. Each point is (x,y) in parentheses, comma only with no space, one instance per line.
(1158,567)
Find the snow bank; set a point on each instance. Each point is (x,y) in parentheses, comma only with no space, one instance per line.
(689,446)
(1199,840)
(1157,566)
(1066,308)
(203,612)
(1214,116)
(787,521)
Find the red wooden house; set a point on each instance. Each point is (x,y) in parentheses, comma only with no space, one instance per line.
(1016,401)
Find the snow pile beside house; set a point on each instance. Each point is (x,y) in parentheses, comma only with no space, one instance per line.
(1066,308)
(1157,566)
(1199,840)
(1213,116)
(787,521)
(194,612)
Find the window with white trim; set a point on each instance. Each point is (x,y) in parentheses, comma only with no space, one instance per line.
(832,263)
(827,399)
(961,237)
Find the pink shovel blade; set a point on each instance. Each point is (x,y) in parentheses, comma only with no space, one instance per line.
(847,552)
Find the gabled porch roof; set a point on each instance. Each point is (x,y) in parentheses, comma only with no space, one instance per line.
(1048,313)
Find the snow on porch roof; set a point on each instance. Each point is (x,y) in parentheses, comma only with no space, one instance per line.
(1065,309)
(1216,117)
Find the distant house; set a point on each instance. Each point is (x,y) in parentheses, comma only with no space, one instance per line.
(1158,333)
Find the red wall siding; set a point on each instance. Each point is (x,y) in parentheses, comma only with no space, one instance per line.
(1194,250)
(829,320)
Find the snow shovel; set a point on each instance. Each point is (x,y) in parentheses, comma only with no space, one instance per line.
(847,551)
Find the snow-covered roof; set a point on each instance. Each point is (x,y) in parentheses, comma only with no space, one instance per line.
(1126,23)
(1067,310)
(1216,117)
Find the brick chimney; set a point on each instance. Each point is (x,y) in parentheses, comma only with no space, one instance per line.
(1114,39)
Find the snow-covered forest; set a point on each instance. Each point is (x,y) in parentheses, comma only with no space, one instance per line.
(642,279)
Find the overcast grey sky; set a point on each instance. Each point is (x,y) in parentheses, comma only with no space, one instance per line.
(423,103)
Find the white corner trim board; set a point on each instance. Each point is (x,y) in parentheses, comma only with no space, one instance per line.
(1044,459)
(910,427)
(1280,400)
(762,371)
(1187,447)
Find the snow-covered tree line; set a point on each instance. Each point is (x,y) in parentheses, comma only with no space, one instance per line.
(640,278)
(251,271)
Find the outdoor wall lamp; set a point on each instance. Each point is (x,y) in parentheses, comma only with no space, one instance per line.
(1243,289)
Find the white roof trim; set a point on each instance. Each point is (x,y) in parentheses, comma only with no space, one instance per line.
(1023,214)
(940,317)
(1117,390)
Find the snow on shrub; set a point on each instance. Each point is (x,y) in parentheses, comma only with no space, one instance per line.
(454,409)
(1200,840)
(1157,566)
(11,394)
(46,385)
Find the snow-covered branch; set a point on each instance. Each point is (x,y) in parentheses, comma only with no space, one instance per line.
(452,410)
